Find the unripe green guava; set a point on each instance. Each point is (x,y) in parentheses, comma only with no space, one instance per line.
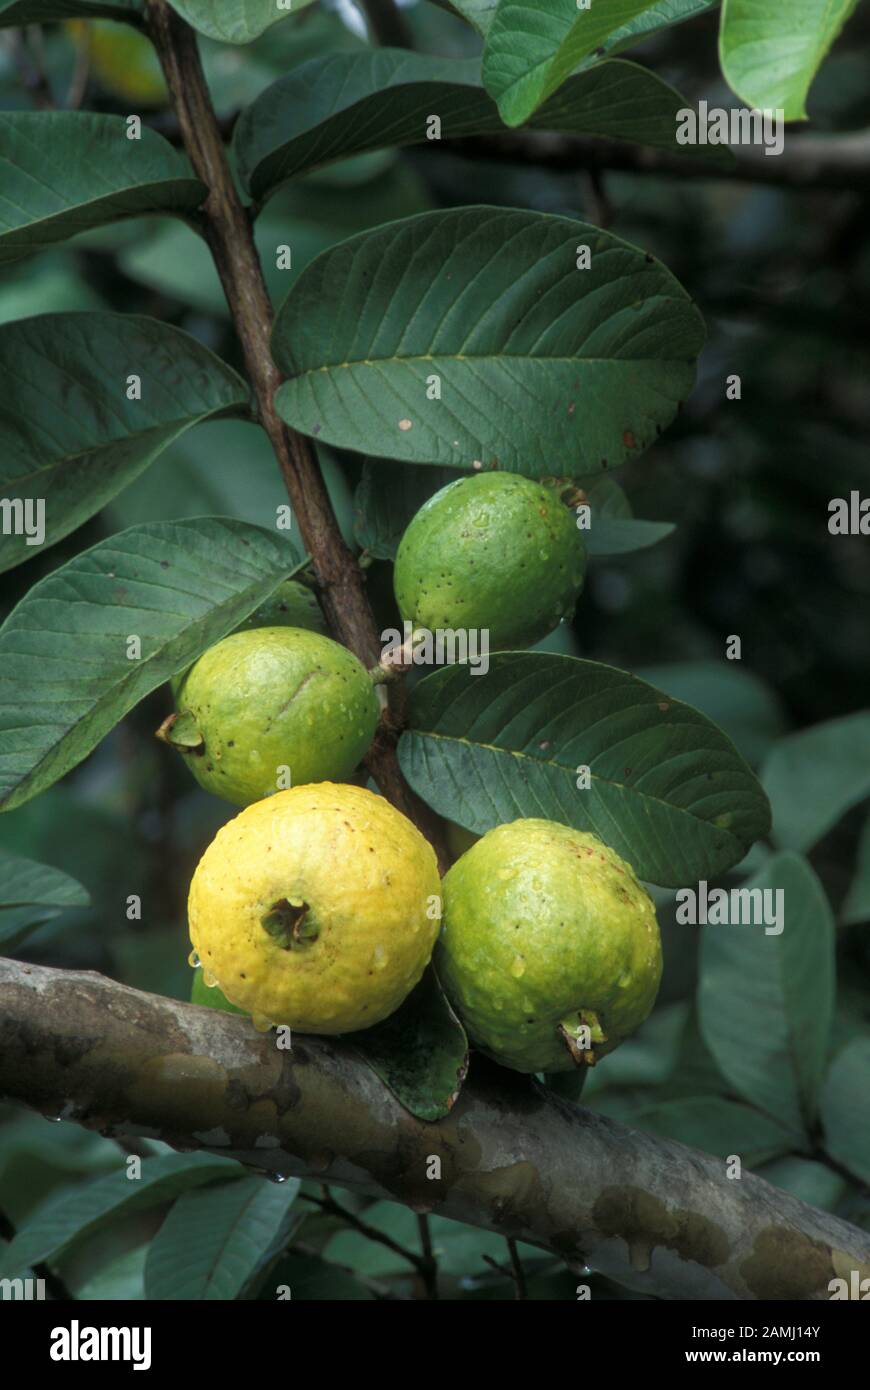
(292,605)
(546,933)
(494,551)
(271,699)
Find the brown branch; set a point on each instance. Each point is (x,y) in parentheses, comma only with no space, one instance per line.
(226,226)
(806,162)
(514,1158)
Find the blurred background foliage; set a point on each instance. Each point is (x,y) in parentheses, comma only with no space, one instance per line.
(783,280)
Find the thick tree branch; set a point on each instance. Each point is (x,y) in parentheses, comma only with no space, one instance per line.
(806,162)
(226,226)
(514,1158)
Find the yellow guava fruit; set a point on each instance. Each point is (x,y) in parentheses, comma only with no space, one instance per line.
(550,949)
(317,908)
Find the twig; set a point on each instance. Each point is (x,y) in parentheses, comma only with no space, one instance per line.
(806,162)
(328,1204)
(518,1274)
(429,1265)
(226,227)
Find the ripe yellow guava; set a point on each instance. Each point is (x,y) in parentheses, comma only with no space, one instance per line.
(547,933)
(317,908)
(273,706)
(494,551)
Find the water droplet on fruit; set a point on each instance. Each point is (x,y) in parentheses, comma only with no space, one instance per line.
(208,979)
(262,1024)
(518,967)
(194,960)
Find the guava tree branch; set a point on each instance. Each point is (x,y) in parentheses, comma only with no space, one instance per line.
(226,225)
(513,1157)
(806,162)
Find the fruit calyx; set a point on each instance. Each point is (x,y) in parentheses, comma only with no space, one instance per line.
(580,1032)
(182,732)
(290,924)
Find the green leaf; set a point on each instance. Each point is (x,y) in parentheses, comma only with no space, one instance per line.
(663,15)
(420,1051)
(86,1208)
(771,52)
(217,1242)
(811,1182)
(856,908)
(69,436)
(735,699)
(387,497)
(620,536)
(42,11)
(64,172)
(542,367)
(846,1109)
(32,894)
(814,777)
(669,792)
(65,675)
(718,1126)
(236,21)
(345,103)
(480,14)
(766,1001)
(532,46)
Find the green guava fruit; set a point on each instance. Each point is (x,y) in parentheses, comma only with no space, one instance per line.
(271,708)
(212,996)
(494,551)
(291,605)
(550,949)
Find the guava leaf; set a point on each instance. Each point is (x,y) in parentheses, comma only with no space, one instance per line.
(846,1111)
(236,21)
(346,103)
(217,1241)
(856,907)
(85,1208)
(815,776)
(63,172)
(387,497)
(718,1126)
(736,699)
(66,673)
(669,791)
(766,1001)
(420,1051)
(771,52)
(32,894)
(15,12)
(69,436)
(532,45)
(480,14)
(541,367)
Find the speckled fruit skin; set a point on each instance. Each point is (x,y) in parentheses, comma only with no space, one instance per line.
(494,551)
(368,881)
(541,923)
(273,697)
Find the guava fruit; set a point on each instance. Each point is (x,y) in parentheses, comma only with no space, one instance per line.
(269,705)
(291,605)
(210,996)
(494,551)
(550,949)
(318,908)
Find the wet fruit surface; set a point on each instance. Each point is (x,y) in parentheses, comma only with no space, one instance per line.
(547,931)
(270,705)
(494,551)
(317,908)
